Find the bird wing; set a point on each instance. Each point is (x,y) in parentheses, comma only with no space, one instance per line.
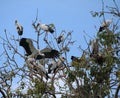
(50,53)
(27,44)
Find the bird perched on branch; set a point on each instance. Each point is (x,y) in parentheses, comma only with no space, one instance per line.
(95,48)
(19,28)
(46,28)
(60,38)
(105,24)
(96,54)
(55,64)
(81,62)
(32,52)
(75,58)
(37,67)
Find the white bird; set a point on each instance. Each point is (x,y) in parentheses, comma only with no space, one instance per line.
(60,38)
(32,52)
(45,27)
(105,24)
(31,62)
(55,64)
(19,28)
(42,68)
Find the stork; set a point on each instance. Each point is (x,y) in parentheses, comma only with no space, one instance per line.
(55,64)
(105,24)
(32,52)
(95,48)
(75,58)
(79,61)
(19,28)
(46,28)
(60,38)
(31,62)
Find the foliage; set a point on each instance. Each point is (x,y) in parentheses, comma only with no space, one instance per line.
(94,74)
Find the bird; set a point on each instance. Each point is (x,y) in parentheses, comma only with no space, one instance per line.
(105,24)
(55,64)
(19,28)
(95,48)
(45,27)
(60,38)
(50,53)
(74,58)
(79,61)
(96,55)
(37,67)
(32,52)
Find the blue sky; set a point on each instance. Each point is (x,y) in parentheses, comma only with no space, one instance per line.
(65,14)
(69,15)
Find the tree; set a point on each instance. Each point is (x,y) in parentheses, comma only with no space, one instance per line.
(94,74)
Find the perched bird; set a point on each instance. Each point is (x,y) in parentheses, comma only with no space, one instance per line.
(81,62)
(105,24)
(96,55)
(46,28)
(55,64)
(60,38)
(95,48)
(75,58)
(42,68)
(19,28)
(37,67)
(32,52)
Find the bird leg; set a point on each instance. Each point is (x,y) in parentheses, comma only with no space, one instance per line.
(45,38)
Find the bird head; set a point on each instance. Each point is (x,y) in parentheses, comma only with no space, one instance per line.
(16,21)
(38,24)
(72,57)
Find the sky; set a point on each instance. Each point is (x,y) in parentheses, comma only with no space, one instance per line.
(69,15)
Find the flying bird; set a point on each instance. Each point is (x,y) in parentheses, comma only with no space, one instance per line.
(105,24)
(19,28)
(50,53)
(55,64)
(32,52)
(60,38)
